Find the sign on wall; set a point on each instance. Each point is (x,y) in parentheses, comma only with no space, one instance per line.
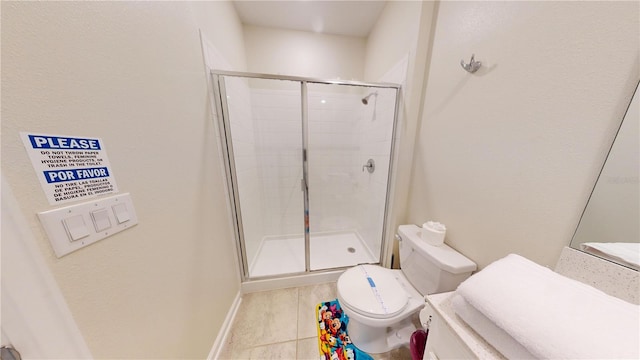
(70,168)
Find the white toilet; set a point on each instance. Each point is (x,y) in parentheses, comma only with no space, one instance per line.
(380,301)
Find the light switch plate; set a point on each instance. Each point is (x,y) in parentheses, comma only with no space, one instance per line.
(93,214)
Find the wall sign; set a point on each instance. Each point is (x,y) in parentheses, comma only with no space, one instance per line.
(70,168)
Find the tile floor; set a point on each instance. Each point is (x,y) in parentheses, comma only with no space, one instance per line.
(280,324)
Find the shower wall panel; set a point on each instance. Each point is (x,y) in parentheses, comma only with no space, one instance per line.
(333,164)
(277,118)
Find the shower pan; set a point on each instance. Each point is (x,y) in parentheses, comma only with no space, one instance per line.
(308,165)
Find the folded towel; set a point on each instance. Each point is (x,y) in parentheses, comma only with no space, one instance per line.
(627,253)
(551,316)
(494,335)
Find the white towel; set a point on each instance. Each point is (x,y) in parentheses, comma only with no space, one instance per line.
(627,253)
(553,317)
(494,335)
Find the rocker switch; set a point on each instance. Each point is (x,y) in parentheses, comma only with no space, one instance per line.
(76,227)
(101,220)
(121,212)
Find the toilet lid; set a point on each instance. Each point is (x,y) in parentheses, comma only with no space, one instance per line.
(372,291)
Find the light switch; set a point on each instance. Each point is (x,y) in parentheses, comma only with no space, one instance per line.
(76,227)
(73,227)
(101,219)
(121,212)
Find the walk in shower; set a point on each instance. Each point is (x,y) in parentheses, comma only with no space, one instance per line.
(308,167)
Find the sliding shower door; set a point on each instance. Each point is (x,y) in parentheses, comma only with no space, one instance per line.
(307,163)
(350,133)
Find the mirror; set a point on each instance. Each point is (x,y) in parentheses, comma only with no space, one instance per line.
(609,227)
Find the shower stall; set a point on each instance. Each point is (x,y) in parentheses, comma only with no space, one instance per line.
(308,165)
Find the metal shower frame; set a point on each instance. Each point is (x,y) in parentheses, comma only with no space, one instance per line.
(222,110)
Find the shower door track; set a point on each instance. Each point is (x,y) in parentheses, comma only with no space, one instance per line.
(225,135)
(305,79)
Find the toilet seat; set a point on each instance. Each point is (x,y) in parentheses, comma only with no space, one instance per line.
(372,291)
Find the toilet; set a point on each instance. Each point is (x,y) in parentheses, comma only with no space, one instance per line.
(380,302)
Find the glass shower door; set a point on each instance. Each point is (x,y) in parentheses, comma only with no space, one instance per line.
(350,136)
(263,131)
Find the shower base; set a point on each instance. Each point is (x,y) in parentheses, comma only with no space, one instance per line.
(285,255)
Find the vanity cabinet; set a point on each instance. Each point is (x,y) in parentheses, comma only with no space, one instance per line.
(449,337)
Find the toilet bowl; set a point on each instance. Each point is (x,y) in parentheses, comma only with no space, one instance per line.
(379,315)
(380,302)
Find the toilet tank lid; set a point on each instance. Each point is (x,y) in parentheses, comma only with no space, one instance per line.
(445,257)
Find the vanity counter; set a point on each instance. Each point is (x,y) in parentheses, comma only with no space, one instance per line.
(449,337)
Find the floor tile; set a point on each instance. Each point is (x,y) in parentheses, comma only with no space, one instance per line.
(281,324)
(231,353)
(285,350)
(308,349)
(264,318)
(309,297)
(402,353)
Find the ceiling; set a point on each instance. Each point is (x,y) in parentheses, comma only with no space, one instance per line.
(351,18)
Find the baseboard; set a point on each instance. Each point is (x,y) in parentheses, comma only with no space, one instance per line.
(221,339)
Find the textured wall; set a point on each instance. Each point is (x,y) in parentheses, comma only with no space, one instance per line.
(131,73)
(299,53)
(507,157)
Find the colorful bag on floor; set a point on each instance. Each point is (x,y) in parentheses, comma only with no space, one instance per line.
(333,340)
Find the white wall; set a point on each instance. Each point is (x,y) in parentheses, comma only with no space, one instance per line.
(394,36)
(299,53)
(131,73)
(507,157)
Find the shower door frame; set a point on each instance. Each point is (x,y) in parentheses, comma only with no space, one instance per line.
(222,111)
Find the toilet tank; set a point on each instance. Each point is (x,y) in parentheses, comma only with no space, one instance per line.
(431,269)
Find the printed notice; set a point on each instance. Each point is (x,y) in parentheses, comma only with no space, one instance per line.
(70,168)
